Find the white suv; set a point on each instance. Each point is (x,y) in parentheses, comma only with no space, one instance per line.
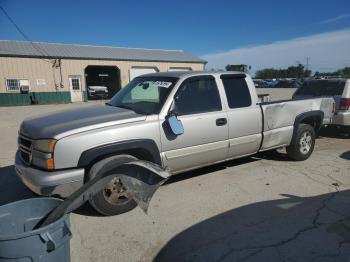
(339,89)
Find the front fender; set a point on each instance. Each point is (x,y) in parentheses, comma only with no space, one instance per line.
(143,146)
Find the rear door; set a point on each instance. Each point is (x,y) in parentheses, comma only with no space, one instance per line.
(244,116)
(204,141)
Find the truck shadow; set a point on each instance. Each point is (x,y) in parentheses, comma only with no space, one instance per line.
(345,155)
(273,155)
(333,132)
(289,229)
(11,187)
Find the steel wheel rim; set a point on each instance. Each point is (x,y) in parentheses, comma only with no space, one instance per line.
(305,142)
(114,193)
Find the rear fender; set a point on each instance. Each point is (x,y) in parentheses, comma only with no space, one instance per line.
(315,117)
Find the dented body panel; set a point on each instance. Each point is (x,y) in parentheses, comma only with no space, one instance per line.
(280,117)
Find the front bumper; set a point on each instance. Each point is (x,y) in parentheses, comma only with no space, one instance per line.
(62,183)
(97,94)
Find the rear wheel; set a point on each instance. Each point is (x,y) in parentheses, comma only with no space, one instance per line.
(112,200)
(303,143)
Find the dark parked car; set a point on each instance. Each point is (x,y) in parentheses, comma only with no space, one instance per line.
(288,84)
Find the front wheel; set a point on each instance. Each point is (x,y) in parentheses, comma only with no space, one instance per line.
(303,143)
(112,200)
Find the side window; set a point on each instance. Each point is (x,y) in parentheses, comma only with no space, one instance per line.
(237,91)
(197,95)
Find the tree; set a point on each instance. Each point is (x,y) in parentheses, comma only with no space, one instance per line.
(298,71)
(343,72)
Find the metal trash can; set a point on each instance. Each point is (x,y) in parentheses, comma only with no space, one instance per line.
(19,242)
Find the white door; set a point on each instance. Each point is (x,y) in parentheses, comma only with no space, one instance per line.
(75,89)
(137,71)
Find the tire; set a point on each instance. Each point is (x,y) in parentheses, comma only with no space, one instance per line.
(303,143)
(110,201)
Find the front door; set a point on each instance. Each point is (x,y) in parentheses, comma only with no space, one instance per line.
(205,137)
(75,89)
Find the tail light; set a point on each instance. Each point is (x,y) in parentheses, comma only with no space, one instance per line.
(344,104)
(333,108)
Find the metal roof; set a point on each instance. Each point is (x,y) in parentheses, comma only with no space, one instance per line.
(73,51)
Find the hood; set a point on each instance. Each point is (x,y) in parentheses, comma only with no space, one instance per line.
(76,120)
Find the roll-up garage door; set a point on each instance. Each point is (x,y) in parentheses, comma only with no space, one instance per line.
(137,71)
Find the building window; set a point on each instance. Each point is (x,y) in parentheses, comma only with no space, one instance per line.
(75,84)
(17,85)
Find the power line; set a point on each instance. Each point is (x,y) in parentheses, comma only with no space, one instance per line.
(37,48)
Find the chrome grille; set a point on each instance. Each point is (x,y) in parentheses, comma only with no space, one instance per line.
(24,146)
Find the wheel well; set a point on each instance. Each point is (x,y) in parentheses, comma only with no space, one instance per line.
(312,118)
(139,153)
(314,121)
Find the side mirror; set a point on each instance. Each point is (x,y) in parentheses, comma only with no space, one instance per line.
(175,125)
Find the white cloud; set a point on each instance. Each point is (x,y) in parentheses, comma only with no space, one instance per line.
(335,19)
(328,51)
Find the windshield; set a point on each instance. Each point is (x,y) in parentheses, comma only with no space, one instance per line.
(321,88)
(144,95)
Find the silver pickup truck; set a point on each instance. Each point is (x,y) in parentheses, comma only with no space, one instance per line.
(179,120)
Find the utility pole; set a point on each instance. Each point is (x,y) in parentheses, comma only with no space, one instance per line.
(307,62)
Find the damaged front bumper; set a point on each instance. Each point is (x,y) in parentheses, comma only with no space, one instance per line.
(49,183)
(140,178)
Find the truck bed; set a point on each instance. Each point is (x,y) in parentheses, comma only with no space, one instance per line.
(279,118)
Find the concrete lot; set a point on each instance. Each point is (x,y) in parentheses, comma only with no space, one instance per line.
(261,208)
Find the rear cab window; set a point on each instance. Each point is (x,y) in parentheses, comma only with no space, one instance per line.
(237,90)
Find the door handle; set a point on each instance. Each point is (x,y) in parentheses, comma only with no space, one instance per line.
(221,121)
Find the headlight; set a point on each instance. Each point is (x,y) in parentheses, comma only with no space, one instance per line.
(42,153)
(44,145)
(47,164)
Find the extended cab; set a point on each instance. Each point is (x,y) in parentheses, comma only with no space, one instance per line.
(179,120)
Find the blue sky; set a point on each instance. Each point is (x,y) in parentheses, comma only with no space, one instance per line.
(210,29)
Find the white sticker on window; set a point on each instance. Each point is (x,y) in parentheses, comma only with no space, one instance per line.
(163,84)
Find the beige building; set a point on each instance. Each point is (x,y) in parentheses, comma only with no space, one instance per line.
(60,73)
